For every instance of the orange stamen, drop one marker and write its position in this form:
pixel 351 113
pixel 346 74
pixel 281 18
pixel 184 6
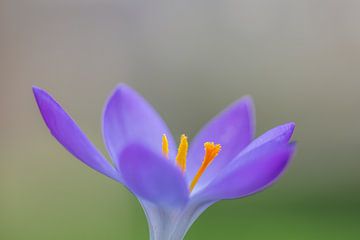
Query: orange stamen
pixel 182 152
pixel 211 151
pixel 165 146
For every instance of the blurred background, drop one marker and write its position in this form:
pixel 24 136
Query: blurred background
pixel 298 59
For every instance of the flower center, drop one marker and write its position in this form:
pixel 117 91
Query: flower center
pixel 211 151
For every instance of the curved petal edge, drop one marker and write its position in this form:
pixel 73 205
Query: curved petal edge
pixel 127 118
pixel 233 129
pixel 251 172
pixel 67 132
pixel 280 134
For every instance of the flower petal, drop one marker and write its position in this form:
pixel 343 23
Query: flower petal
pixel 233 129
pixel 66 131
pixel 127 118
pixel 280 133
pixel 152 177
pixel 251 172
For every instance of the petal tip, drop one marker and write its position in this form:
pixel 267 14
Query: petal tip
pixel 116 94
pixel 41 94
pixel 122 87
pixel 291 127
pixel 36 90
pixel 121 90
pixel 246 100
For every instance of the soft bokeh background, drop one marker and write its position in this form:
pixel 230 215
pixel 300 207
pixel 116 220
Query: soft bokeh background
pixel 298 59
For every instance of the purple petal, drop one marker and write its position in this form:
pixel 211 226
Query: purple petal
pixel 66 131
pixel 233 129
pixel 127 118
pixel 152 177
pixel 281 134
pixel 251 172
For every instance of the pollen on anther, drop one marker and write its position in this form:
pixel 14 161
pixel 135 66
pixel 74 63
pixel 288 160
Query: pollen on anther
pixel 182 153
pixel 165 146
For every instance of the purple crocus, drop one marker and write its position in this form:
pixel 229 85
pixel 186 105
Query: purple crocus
pixel 175 185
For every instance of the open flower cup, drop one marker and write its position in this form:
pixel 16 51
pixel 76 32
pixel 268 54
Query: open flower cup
pixel 175 184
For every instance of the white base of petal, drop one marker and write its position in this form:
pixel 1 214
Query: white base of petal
pixel 172 223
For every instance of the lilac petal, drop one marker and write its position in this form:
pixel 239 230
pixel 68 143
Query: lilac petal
pixel 152 177
pixel 280 134
pixel 127 118
pixel 233 129
pixel 251 172
pixel 66 131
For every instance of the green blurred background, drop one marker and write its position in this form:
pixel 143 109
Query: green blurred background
pixel 298 59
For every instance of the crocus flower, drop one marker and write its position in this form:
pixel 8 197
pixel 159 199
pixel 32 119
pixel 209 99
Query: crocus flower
pixel 175 185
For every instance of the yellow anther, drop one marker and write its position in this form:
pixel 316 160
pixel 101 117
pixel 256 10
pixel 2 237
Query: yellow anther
pixel 165 146
pixel 182 152
pixel 211 151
